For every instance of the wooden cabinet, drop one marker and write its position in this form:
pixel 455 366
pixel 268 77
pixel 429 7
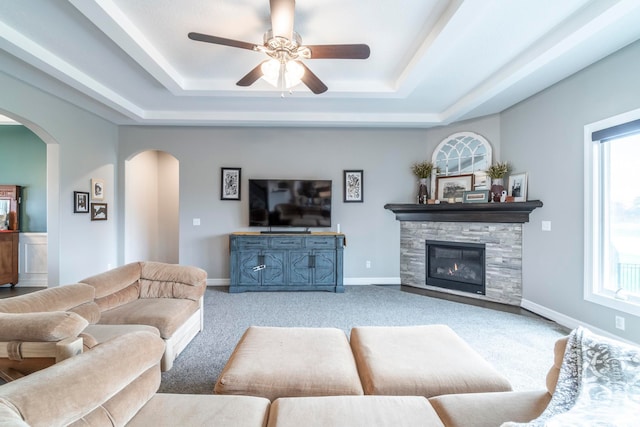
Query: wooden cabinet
pixel 9 257
pixel 282 262
pixel 10 200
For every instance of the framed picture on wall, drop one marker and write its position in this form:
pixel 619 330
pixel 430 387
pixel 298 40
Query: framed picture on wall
pixel 230 183
pixel 98 211
pixel 80 202
pixel 97 189
pixel 353 186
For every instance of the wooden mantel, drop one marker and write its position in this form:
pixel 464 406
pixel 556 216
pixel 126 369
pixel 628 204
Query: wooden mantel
pixel 516 212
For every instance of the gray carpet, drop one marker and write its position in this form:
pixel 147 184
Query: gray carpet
pixel 519 346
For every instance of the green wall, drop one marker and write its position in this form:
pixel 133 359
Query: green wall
pixel 23 161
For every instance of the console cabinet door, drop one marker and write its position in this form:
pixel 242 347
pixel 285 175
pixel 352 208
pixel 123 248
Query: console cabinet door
pixel 324 268
pixel 274 271
pixel 248 272
pixel 300 268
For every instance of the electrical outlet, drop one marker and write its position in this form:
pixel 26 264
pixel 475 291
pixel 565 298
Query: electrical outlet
pixel 368 264
pixel 546 225
pixel 620 323
pixel 196 221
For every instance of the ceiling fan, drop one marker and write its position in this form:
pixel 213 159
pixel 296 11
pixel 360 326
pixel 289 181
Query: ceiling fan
pixel 284 46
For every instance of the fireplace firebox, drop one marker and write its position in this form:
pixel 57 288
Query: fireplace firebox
pixel 456 265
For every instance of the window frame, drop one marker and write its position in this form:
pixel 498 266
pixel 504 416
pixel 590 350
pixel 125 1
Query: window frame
pixel 595 157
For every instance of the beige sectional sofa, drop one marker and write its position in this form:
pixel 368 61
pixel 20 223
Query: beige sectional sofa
pixel 50 325
pixel 168 297
pixel 87 390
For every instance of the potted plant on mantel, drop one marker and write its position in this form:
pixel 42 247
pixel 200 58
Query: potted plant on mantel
pixel 423 171
pixel 496 172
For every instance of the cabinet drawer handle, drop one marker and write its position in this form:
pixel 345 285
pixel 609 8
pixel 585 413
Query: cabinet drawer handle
pixel 312 261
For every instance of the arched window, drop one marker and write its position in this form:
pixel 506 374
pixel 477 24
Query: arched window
pixel 462 153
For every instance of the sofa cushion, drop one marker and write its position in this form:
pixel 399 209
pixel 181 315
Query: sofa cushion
pixel 48 326
pixel 423 360
pixel 73 388
pixel 489 409
pixel 202 410
pixel 59 298
pixel 277 362
pixel 112 281
pixel 118 298
pixel 353 411
pixel 161 280
pixel 165 314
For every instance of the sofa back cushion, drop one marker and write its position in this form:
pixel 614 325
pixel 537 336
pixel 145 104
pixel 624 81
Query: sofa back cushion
pixel 558 356
pixel 107 385
pixel 76 297
pixel 161 280
pixel 117 286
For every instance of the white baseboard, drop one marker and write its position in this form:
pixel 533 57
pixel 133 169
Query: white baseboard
pixel 347 281
pixel 568 322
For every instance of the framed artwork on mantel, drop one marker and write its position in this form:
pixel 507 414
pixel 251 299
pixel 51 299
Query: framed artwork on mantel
pixel 451 188
pixel 518 187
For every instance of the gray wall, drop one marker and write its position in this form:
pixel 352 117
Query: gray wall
pixel 80 146
pixel 23 161
pixel 544 137
pixel 372 232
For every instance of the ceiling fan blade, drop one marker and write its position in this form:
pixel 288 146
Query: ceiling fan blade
pixel 282 14
pixel 221 41
pixel 312 81
pixel 342 51
pixel 252 76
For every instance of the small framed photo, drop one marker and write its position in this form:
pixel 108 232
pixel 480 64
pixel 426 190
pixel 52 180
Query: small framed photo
pixel 97 189
pixel 518 187
pixel 451 188
pixel 353 186
pixel 98 211
pixel 80 202
pixel 476 196
pixel 230 183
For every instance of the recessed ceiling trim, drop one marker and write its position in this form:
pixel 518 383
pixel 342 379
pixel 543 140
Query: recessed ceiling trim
pixel 110 19
pixel 39 57
pixel 573 32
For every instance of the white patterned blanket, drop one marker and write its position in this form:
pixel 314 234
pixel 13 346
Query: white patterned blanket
pixel 599 385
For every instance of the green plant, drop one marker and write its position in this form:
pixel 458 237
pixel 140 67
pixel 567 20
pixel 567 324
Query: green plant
pixel 498 170
pixel 423 169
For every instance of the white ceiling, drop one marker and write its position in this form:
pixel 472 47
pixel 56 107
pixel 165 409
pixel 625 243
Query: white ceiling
pixel 432 62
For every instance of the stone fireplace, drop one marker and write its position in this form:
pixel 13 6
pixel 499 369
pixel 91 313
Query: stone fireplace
pixel 496 227
pixel 455 265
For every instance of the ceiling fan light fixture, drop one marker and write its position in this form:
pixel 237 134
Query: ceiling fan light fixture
pixel 282 75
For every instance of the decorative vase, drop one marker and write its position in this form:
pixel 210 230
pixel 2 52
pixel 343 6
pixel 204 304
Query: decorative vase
pixel 423 191
pixel 497 187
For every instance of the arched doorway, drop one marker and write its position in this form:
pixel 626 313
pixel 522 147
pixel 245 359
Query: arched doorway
pixel 151 207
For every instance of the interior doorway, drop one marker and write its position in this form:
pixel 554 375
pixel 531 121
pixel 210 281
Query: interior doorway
pixel 151 207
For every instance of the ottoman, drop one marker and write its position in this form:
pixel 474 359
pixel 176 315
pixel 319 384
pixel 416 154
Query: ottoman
pixel 353 411
pixel 420 361
pixel 277 362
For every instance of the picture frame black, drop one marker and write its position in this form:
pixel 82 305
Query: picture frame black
pixel 99 212
pixel 80 202
pixel 476 196
pixel 230 183
pixel 353 186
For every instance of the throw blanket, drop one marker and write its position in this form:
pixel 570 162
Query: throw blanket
pixel 599 385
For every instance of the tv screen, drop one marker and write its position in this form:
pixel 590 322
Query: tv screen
pixel 289 203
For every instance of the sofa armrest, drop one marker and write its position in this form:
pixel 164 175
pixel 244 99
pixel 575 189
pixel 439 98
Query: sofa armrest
pixel 489 409
pixel 46 326
pixel 18 359
pixel 77 297
pixel 162 280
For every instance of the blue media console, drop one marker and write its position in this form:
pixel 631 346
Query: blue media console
pixel 286 262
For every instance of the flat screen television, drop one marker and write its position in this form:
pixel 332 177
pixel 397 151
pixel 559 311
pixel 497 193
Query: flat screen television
pixel 289 203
